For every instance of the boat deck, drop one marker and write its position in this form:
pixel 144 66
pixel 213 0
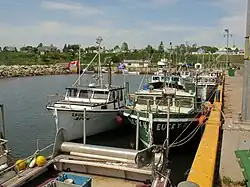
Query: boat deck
pixel 96 180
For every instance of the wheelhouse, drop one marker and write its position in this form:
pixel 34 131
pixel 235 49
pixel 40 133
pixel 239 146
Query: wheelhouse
pixel 93 95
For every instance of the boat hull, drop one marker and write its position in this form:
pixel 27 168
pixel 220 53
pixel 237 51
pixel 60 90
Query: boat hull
pixel 176 127
pixel 73 121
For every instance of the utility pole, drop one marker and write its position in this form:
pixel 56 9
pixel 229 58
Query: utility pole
pixel 246 93
pixel 227 35
pixel 99 41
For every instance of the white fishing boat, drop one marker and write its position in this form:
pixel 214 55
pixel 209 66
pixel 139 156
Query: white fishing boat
pixel 95 105
pixel 207 83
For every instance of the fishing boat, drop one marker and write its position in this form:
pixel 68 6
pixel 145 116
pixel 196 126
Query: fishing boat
pixel 207 83
pixel 159 106
pixel 95 104
pixel 5 156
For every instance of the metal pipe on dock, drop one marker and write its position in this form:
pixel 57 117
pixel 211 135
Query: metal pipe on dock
pixel 104 165
pixel 117 153
pixel 100 157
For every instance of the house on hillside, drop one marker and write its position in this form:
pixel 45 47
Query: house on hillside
pixel 136 63
pixel 44 49
pixel 9 49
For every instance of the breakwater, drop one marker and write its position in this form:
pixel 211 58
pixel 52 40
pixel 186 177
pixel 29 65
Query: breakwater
pixel 32 70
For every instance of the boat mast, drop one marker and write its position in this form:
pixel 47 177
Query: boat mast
pixel 99 41
pixel 166 142
pixel 79 65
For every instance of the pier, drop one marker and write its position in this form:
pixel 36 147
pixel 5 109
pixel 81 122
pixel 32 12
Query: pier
pixel 223 152
pixel 203 167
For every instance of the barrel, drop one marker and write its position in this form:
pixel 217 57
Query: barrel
pixel 230 72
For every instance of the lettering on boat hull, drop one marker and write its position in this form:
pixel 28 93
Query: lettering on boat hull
pixel 161 126
pixel 79 116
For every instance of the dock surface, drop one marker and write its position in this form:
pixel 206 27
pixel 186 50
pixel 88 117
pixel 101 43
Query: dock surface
pixel 233 133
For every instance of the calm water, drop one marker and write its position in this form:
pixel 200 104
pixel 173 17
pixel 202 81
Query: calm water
pixel 27 118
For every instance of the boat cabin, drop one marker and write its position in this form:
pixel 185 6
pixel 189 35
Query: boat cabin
pixel 185 74
pixel 156 99
pixel 169 79
pixel 93 95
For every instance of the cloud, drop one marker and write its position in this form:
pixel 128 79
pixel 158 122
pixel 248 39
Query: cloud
pixel 234 18
pixel 59 33
pixel 74 8
pixel 137 31
pixel 147 3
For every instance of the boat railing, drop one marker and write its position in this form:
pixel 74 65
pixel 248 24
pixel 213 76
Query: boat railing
pixel 52 99
pixel 149 107
pixel 14 166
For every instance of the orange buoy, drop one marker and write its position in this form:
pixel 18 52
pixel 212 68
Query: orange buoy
pixel 202 119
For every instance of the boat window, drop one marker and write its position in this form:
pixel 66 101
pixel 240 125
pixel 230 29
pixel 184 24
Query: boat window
pixel 71 92
pixel 184 102
pixel 163 102
pixel 121 95
pixel 156 78
pixel 85 94
pixel 100 94
pixel 175 79
pixel 112 96
pixel 142 100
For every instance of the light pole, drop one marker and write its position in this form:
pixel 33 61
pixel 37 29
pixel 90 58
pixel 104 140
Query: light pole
pixel 227 35
pixel 245 95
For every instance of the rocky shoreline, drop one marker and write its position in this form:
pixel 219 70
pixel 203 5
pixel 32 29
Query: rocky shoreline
pixel 32 70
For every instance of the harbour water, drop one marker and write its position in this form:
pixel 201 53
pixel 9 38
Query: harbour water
pixel 27 118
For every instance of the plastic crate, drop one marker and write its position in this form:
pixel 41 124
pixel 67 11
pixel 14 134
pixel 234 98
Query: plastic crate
pixel 78 181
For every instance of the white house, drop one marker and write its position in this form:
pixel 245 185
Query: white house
pixel 136 63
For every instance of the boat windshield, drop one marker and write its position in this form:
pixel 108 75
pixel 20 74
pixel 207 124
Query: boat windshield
pixel 163 102
pixel 85 93
pixel 184 102
pixel 142 100
pixel 100 95
pixel 71 92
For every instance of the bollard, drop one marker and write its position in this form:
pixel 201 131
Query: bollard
pixel 217 96
pixel 187 184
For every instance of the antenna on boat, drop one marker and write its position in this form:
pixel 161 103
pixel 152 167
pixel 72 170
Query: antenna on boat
pixel 99 40
pixel 79 65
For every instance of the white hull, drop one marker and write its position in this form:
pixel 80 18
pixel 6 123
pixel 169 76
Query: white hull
pixel 96 122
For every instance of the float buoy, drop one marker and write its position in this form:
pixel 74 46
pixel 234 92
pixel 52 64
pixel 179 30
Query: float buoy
pixel 118 120
pixel 21 165
pixel 40 161
pixel 202 119
pixel 32 163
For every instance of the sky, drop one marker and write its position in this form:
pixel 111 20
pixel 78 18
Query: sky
pixel 137 22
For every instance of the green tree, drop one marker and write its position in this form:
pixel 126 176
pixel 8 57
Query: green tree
pixel 124 47
pixel 149 49
pixel 116 48
pixel 161 47
pixel 40 45
pixel 65 48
